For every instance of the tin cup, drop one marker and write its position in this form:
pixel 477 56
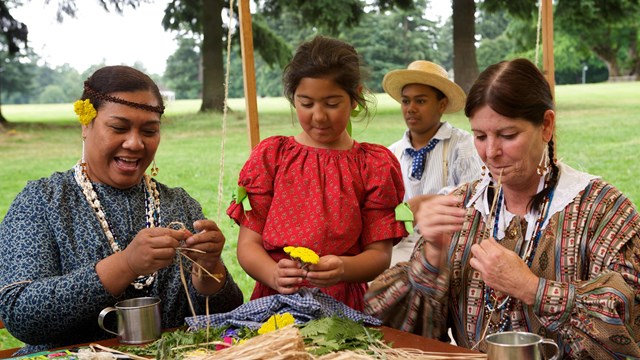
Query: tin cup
pixel 519 345
pixel 139 320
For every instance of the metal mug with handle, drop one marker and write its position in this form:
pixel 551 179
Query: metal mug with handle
pixel 519 345
pixel 139 320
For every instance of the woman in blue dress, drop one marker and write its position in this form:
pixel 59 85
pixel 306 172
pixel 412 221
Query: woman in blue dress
pixel 101 232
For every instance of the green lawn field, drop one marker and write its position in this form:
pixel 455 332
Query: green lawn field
pixel 598 132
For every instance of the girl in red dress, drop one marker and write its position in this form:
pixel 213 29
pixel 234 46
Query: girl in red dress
pixel 319 189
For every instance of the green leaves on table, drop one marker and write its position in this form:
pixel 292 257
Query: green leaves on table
pixel 334 333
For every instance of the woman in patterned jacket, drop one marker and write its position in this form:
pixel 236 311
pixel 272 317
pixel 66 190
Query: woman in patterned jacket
pixel 81 240
pixel 534 245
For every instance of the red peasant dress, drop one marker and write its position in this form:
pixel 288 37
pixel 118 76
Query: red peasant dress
pixel 331 201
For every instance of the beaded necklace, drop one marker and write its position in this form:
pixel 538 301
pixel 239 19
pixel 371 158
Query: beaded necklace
pixel 494 302
pixel 152 214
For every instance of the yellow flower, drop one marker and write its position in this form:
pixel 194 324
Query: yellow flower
pixel 304 255
pixel 276 322
pixel 85 111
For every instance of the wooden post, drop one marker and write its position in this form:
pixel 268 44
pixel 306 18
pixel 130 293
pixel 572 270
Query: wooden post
pixel 248 72
pixel 547 45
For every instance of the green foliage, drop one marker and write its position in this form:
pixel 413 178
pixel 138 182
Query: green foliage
pixel 7 341
pixel 172 345
pixel 410 35
pixel 329 334
pixel 181 73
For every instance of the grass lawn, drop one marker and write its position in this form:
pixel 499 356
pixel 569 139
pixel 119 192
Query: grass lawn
pixel 598 132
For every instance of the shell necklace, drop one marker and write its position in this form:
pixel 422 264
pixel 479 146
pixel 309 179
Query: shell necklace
pixel 152 215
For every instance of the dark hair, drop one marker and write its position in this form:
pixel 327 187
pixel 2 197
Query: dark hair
pixel 323 57
pixel 119 78
pixel 516 89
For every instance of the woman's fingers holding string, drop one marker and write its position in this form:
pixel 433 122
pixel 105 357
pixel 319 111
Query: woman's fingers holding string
pixel 440 215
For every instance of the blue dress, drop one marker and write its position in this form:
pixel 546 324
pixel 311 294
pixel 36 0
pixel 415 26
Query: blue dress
pixel 52 240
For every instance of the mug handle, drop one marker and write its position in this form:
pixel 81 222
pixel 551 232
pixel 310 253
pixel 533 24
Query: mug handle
pixel 101 317
pixel 549 342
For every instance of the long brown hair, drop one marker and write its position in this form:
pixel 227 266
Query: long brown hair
pixel 516 89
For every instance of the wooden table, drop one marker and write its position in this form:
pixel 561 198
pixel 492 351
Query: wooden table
pixel 399 339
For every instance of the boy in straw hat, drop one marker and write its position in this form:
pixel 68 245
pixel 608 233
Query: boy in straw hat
pixel 434 156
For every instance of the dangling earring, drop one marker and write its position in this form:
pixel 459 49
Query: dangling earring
pixel 484 171
pixel 154 168
pixel 83 163
pixel 544 162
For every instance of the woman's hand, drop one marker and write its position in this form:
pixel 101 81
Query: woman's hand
pixel 209 239
pixel 437 217
pixel 153 249
pixel 287 276
pixel 504 271
pixel 327 272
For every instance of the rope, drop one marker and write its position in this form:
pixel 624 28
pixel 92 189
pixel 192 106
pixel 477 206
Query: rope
pixel 224 114
pixel 538 31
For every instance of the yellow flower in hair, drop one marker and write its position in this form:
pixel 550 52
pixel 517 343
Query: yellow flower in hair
pixel 302 254
pixel 276 322
pixel 85 111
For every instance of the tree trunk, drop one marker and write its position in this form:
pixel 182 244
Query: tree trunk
pixel 4 124
pixel 212 65
pixel 609 56
pixel 465 66
pixel 634 54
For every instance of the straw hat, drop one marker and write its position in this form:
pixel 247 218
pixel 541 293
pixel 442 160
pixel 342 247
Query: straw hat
pixel 426 73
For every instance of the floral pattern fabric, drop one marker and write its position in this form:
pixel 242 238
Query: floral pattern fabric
pixel 51 240
pixel 589 267
pixel 330 201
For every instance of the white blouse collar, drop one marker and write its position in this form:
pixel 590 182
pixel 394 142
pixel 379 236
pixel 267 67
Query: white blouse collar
pixel 570 184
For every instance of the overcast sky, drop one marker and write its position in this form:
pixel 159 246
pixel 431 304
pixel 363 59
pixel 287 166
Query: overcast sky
pixel 95 35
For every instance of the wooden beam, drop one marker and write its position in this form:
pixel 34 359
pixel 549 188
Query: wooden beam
pixel 248 72
pixel 547 44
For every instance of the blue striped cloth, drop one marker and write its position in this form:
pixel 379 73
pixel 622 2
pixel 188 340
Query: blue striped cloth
pixel 305 305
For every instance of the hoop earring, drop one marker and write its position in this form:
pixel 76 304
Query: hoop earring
pixel 154 168
pixel 543 166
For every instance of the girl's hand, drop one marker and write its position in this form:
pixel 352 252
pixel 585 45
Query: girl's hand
pixel 504 271
pixel 152 249
pixel 288 276
pixel 327 272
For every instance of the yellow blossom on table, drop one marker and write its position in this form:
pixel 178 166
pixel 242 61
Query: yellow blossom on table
pixel 303 254
pixel 276 322
pixel 85 111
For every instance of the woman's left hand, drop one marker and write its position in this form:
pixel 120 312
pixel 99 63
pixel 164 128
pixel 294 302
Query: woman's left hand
pixel 208 238
pixel 327 272
pixel 504 271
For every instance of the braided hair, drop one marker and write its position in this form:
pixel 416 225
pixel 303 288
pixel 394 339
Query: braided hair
pixel 120 78
pixel 517 89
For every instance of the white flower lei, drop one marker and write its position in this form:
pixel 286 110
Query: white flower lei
pixel 152 216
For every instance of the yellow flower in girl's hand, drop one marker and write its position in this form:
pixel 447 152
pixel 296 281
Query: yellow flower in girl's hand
pixel 302 254
pixel 276 322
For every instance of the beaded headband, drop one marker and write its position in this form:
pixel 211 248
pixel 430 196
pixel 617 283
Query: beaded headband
pixel 98 95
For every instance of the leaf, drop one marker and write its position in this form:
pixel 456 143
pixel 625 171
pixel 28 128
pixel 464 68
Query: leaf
pixel 336 333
